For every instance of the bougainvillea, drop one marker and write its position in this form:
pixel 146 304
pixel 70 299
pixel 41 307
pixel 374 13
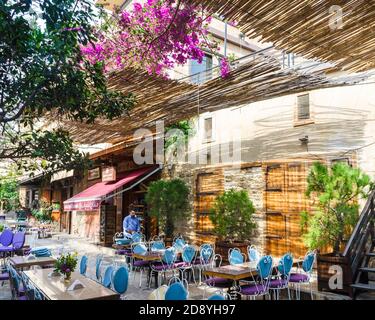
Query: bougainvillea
pixel 224 68
pixel 154 36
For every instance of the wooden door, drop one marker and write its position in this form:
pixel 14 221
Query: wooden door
pixel 276 232
pixel 284 201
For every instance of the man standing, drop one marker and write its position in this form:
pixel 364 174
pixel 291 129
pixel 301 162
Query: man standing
pixel 131 224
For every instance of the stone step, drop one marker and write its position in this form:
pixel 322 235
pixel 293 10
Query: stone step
pixel 367 269
pixel 364 286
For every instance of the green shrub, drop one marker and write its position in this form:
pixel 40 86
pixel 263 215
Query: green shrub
pixel 232 216
pixel 168 200
pixel 336 190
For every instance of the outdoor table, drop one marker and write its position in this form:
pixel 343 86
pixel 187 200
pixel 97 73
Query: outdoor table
pixel 148 256
pixel 121 246
pixel 55 288
pixel 20 262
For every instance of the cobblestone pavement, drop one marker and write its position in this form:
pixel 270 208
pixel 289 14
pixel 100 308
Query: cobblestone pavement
pixel 82 246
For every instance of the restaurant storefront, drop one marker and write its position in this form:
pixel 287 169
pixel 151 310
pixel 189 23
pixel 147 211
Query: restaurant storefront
pixel 104 194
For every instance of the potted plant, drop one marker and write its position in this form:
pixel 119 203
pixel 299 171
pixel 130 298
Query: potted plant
pixel 66 264
pixel 335 192
pixel 168 201
pixel 232 217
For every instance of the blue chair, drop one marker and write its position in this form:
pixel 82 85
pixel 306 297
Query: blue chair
pixel 206 254
pixel 253 253
pixel 121 281
pixel 303 275
pixel 98 264
pixel 259 286
pixel 281 281
pixel 157 245
pixel 235 256
pixel 188 256
pixel 179 243
pixel 83 265
pixel 107 279
pixel 166 263
pixel 139 265
pixel 176 291
pixel 137 237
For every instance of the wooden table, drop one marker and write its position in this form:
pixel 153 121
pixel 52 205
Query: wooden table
pixel 20 262
pixel 55 288
pixel 121 246
pixel 149 256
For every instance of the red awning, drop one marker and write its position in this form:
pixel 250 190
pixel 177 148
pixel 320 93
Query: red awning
pixel 91 198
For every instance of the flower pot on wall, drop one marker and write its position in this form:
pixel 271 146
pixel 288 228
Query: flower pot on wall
pixel 325 262
pixel 222 248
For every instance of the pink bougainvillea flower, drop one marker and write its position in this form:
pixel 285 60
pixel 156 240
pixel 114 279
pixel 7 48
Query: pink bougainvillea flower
pixel 154 36
pixel 224 68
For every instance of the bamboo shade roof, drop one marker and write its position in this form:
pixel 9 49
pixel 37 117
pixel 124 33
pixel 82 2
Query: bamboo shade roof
pixel 253 78
pixel 305 27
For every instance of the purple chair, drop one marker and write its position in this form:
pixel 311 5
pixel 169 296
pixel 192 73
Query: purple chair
pixel 6 238
pixel 18 240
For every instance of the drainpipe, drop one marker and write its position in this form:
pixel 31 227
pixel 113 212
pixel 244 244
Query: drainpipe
pixel 225 38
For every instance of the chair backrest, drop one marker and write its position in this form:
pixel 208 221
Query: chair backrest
pixel 83 265
pixel 206 253
pixel 285 264
pixel 169 256
pixel 18 240
pixel 139 248
pixel 6 237
pixel 188 254
pixel 308 261
pixel 235 256
pixel 121 280
pixel 107 279
pixel 99 259
pixel 176 291
pixel 157 245
pixel 137 237
pixel 179 243
pixel 264 267
pixel 253 253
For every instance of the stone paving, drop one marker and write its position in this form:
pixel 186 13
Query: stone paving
pixel 82 246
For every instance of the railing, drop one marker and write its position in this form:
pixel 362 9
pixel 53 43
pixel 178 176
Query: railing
pixel 355 249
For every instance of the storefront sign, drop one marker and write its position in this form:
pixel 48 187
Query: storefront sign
pixel 126 166
pixel 108 174
pixel 93 174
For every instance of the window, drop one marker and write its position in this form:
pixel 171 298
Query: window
pixel 303 107
pixel 303 110
pixel 208 129
pixel 201 72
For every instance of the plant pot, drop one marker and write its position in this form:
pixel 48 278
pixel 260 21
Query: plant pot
pixel 222 248
pixel 327 261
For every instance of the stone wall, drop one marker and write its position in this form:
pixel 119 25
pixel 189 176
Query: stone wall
pixel 252 180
